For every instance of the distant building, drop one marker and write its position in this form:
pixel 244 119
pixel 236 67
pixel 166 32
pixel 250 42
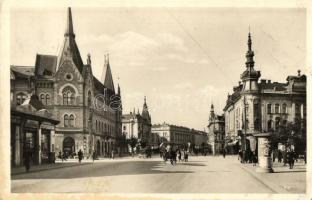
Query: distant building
pixel 89 110
pixel 216 134
pixel 138 125
pixel 179 135
pixel 262 106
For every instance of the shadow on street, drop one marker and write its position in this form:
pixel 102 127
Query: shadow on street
pixel 103 169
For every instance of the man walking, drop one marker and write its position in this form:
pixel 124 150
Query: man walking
pixel 224 152
pixel 291 159
pixel 93 156
pixel 27 161
pixel 80 154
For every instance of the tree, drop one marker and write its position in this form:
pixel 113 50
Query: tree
pixel 293 133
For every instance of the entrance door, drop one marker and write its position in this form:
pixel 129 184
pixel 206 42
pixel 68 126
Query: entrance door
pixel 98 148
pixel 30 146
pixel 69 146
pixel 45 145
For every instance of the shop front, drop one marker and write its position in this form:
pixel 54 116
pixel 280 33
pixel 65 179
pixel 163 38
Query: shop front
pixel 31 136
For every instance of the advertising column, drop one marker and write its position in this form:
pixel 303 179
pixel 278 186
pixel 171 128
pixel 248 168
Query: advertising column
pixel 264 153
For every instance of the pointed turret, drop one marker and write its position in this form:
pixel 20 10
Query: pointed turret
pixel 70 49
pixel 69 28
pixel 250 76
pixel 107 77
pixel 212 115
pixel 249 54
pixel 145 113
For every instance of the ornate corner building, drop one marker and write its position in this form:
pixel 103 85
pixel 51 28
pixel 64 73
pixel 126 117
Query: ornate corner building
pixel 138 125
pixel 216 134
pixel 89 111
pixel 263 106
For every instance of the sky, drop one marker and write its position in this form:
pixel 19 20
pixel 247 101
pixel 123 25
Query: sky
pixel 181 59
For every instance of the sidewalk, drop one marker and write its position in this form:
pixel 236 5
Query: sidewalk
pixel 43 167
pixel 283 179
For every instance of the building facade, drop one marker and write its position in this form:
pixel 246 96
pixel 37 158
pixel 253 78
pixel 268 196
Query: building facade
pixel 89 110
pixel 216 133
pixel 138 125
pixel 262 106
pixel 179 135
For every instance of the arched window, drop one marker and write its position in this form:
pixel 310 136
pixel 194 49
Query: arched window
pixel 20 98
pixel 68 95
pixel 42 98
pixel 269 125
pixel 66 120
pixel 71 120
pixel 47 99
pixel 284 108
pixel 89 98
pixel 276 108
pixel 269 109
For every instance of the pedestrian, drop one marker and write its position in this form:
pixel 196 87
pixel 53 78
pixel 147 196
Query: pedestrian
pixel 279 156
pixel 186 157
pixel 172 157
pixel 239 157
pixel 284 153
pixel 291 159
pixel 305 157
pixel 94 155
pixel 80 154
pixel 179 155
pixel 254 159
pixel 64 156
pixel 113 154
pixel 274 154
pixel 223 153
pixel 27 160
pixel 60 155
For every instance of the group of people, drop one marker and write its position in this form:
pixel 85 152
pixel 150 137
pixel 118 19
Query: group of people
pixel 174 155
pixel 248 157
pixel 288 156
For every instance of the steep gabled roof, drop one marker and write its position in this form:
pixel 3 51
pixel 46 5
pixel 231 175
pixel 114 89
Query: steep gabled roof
pixel 107 77
pixel 23 71
pixel 45 65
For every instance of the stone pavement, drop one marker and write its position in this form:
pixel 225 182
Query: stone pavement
pixel 283 179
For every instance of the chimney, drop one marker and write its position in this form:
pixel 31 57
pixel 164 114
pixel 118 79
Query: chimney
pixel 269 81
pixel 263 80
pixel 299 72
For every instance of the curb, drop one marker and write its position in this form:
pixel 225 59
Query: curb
pixel 45 169
pixel 272 186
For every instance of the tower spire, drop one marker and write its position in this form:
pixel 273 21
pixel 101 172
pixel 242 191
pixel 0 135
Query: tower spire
pixel 249 54
pixel 70 28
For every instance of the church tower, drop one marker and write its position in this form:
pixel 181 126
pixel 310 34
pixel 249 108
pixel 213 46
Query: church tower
pixel 250 76
pixel 250 99
pixel 70 49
